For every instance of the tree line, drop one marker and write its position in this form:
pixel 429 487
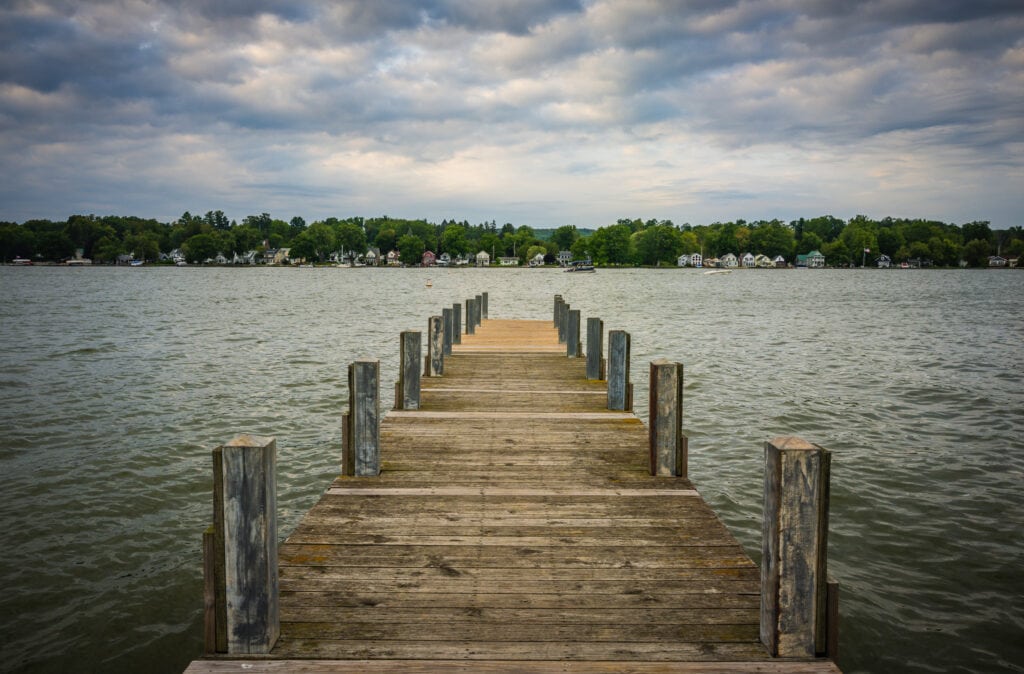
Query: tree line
pixel 627 242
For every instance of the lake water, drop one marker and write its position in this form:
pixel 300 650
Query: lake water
pixel 115 383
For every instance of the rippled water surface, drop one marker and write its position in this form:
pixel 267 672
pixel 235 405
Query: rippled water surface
pixel 116 383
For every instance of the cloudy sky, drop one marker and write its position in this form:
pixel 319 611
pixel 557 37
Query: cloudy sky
pixel 538 112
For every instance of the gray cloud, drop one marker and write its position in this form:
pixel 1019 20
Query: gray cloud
pixel 564 103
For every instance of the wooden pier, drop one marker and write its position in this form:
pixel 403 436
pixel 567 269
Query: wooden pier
pixel 514 526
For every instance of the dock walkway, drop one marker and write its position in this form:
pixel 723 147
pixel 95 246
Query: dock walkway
pixel 515 527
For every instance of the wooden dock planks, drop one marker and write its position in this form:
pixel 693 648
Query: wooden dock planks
pixel 515 527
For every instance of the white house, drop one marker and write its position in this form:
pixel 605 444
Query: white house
pixel 444 260
pixel 884 261
pixel 508 261
pixel 763 262
pixel 747 261
pixel 483 259
pixel 780 262
pixel 393 260
pixel 683 260
pixel 537 260
pixel 697 260
pixel 728 260
pixel 564 257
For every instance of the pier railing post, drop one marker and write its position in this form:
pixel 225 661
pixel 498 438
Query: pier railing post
pixel 446 316
pixel 563 322
pixel 407 391
pixel 620 390
pixel 794 586
pixel 558 310
pixel 435 347
pixel 361 441
pixel 483 306
pixel 244 546
pixel 470 316
pixel 668 444
pixel 478 308
pixel 573 347
pixel 595 348
pixel 457 323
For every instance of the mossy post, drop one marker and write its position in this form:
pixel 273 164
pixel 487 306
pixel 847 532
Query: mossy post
pixel 483 306
pixel 247 617
pixel 563 323
pixel 558 309
pixel 361 432
pixel 620 390
pixel 478 308
pixel 595 349
pixel 446 316
pixel 457 323
pixel 435 347
pixel 573 347
pixel 794 586
pixel 407 391
pixel 667 442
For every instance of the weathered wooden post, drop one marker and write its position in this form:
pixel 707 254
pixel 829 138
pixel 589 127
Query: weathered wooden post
pixel 794 593
pixel 470 316
pixel 573 347
pixel 457 323
pixel 435 347
pixel 478 307
pixel 483 306
pixel 243 545
pixel 557 314
pixel 361 425
pixel 668 444
pixel 407 390
pixel 446 317
pixel 563 322
pixel 620 389
pixel 595 348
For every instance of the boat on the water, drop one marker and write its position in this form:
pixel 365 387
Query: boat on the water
pixel 21 262
pixel 718 271
pixel 580 265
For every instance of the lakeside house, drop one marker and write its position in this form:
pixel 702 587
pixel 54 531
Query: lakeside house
pixel 508 261
pixel 429 259
pixel 564 258
pixel 883 261
pixel 996 261
pixel 444 260
pixel 392 259
pixel 779 262
pixel 483 259
pixel 728 261
pixel 537 260
pixel 683 260
pixel 812 260
pixel 747 260
pixel 763 262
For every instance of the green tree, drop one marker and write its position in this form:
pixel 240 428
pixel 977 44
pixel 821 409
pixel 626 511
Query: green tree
pixel 200 248
pixel 351 238
pixel 410 249
pixel 15 241
pixel 535 250
pixel 386 240
pixel 978 230
pixel 657 245
pixel 321 236
pixel 565 236
pixel 142 246
pixel 107 249
pixel 453 240
pixel 976 252
pixel 809 242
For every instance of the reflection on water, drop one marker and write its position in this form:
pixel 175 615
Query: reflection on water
pixel 116 383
